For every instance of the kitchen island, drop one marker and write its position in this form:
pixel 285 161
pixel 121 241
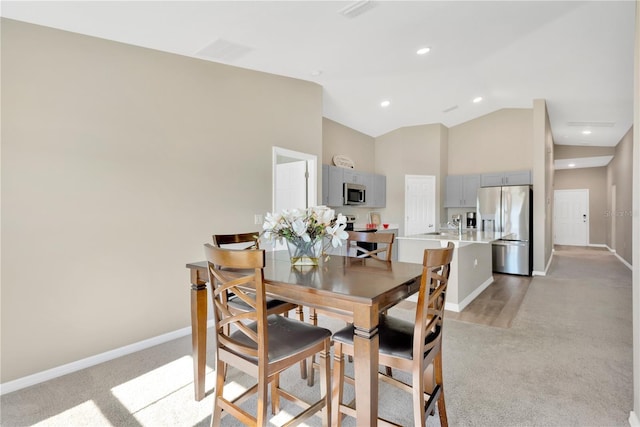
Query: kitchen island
pixel 471 267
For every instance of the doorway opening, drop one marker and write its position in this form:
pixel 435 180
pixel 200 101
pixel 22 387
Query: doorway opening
pixel 294 179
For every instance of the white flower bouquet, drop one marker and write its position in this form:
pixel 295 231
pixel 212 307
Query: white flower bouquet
pixel 305 230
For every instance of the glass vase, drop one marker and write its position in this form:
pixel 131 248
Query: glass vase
pixel 305 253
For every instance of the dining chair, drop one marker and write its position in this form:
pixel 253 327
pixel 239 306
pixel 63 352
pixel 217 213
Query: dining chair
pixel 260 344
pixel 274 306
pixel 411 347
pixel 372 245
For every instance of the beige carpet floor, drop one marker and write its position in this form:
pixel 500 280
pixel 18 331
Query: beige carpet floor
pixel 565 360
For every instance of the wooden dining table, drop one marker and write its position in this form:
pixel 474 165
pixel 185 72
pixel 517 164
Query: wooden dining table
pixel 359 288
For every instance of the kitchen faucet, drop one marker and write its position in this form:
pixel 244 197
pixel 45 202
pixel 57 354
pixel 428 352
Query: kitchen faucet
pixel 456 221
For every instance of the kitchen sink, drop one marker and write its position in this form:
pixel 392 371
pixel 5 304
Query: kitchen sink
pixel 438 233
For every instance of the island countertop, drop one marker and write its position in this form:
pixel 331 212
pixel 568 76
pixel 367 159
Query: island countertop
pixel 468 236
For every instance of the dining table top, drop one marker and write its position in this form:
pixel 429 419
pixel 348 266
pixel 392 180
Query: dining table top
pixel 358 280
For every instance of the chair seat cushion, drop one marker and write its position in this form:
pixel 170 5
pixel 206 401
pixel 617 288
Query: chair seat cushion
pixel 238 304
pixel 286 337
pixel 396 336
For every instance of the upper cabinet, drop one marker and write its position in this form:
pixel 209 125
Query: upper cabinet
pixel 506 178
pixel 377 192
pixel 325 185
pixel 461 191
pixel 334 177
pixel 334 189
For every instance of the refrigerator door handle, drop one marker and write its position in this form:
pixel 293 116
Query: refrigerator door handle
pixel 509 243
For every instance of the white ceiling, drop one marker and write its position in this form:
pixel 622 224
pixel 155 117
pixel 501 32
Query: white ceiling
pixel 576 55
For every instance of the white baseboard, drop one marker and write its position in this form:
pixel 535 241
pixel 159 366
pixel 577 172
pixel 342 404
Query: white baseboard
pixel 622 260
pixel 78 365
pixel 459 307
pixel 544 273
pixel 598 245
pixel 634 419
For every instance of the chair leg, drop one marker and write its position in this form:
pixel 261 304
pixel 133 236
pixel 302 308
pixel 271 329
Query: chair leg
pixel 417 395
pixel 325 383
pixel 442 410
pixel 263 398
pixel 303 364
pixel 217 409
pixel 337 384
pixel 313 319
pixel 275 394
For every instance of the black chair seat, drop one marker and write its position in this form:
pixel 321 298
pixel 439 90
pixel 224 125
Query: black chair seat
pixel 286 337
pixel 396 336
pixel 239 304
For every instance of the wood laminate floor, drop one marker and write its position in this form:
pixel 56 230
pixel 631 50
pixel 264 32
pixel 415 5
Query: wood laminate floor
pixel 495 306
pixel 498 304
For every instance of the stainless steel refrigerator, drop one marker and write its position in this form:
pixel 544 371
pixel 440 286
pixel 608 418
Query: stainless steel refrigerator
pixel 508 210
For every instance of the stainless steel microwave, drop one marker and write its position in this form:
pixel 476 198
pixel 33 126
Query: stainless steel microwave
pixel 354 194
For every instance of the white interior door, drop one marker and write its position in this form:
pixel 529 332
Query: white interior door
pixel 420 204
pixel 571 217
pixel 291 191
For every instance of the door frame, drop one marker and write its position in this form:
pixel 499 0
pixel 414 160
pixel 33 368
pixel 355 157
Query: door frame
pixel 312 173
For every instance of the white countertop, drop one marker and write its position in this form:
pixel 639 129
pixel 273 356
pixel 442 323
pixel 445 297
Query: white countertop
pixel 468 236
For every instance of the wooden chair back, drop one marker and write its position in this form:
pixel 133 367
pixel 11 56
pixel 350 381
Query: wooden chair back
pixel 413 355
pixel 239 272
pixel 384 243
pixel 242 340
pixel 436 266
pixel 239 240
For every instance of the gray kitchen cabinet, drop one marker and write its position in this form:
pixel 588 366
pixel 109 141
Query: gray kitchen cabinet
pixel 377 192
pixel 461 191
pixel 506 178
pixel 325 185
pixel 334 177
pixel 355 177
pixel 335 181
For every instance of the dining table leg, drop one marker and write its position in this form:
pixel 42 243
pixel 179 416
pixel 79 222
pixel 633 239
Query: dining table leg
pixel 366 345
pixel 199 332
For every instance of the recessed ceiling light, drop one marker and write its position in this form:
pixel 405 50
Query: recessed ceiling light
pixel 586 132
pixel 572 165
pixel 316 72
pixel 385 103
pixel 477 99
pixel 423 50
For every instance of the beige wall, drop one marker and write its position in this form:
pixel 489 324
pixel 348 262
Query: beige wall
pixel 340 139
pixel 577 151
pixel 492 143
pixel 542 172
pixel 415 150
pixel 118 163
pixel 594 180
pixel 619 174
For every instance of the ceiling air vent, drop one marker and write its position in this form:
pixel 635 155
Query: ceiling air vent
pixel 357 8
pixel 450 109
pixel 223 50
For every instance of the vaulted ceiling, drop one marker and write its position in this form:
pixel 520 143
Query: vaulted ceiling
pixel 576 55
